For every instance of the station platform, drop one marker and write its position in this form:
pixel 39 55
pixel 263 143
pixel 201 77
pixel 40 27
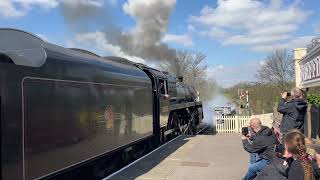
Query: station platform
pixel 198 157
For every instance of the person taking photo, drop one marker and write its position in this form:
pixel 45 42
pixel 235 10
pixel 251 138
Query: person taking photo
pixel 293 110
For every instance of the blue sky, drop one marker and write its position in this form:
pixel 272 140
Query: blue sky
pixel 236 35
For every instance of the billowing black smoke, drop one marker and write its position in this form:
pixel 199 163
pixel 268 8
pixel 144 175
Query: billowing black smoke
pixel 144 40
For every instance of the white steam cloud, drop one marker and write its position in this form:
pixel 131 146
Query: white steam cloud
pixel 208 108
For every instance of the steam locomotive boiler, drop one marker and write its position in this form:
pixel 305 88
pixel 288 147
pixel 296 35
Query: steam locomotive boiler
pixel 68 113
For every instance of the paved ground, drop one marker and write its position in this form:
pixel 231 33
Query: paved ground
pixel 218 157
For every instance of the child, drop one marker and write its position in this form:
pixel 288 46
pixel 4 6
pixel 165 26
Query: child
pixel 302 167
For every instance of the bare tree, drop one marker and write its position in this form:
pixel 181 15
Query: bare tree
pixel 313 43
pixel 180 65
pixel 278 69
pixel 191 65
pixel 188 64
pixel 197 69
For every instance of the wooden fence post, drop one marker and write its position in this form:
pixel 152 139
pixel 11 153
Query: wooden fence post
pixel 307 122
pixel 237 124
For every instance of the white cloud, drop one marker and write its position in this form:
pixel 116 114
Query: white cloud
pixel 113 2
pixel 299 42
pixel 214 69
pixel 249 14
pixel 76 3
pixel 19 8
pixel 191 28
pixel 252 40
pixel 227 76
pixel 251 22
pixel 98 41
pixel 274 30
pixel 215 32
pixel 41 3
pixel 184 39
pixel 8 9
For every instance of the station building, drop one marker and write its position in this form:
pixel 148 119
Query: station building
pixel 307 77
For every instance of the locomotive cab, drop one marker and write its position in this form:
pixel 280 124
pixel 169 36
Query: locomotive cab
pixel 163 89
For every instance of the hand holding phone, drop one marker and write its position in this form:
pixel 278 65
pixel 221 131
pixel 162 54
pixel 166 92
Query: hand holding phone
pixel 284 95
pixel 245 131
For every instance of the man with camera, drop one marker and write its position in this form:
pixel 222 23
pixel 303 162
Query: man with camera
pixel 262 142
pixel 293 110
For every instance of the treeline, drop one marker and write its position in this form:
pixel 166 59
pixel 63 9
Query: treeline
pixel 273 77
pixel 262 97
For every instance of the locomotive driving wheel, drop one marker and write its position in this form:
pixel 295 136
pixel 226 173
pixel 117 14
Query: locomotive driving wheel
pixel 191 128
pixel 175 123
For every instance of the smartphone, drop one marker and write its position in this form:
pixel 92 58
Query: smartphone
pixel 245 131
pixel 279 148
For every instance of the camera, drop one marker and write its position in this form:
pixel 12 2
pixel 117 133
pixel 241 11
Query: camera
pixel 288 94
pixel 279 148
pixel 245 131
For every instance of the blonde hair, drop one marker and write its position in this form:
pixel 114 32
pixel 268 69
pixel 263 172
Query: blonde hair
pixel 296 93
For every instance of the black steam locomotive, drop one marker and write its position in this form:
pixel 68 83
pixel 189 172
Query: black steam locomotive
pixel 68 111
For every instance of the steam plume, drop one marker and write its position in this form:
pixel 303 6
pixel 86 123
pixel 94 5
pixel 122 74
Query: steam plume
pixel 152 18
pixel 81 14
pixel 144 40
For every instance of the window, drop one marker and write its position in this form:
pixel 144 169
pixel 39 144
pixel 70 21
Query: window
pixel 163 86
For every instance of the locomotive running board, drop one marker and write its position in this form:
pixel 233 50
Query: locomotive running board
pixel 184 105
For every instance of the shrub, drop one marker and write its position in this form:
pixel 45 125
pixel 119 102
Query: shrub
pixel 313 99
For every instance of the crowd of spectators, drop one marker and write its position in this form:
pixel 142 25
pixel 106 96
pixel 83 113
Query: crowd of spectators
pixel 293 156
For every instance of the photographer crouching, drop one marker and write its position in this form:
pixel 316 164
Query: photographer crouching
pixel 262 142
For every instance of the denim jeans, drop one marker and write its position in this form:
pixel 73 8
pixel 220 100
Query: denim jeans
pixel 254 157
pixel 254 169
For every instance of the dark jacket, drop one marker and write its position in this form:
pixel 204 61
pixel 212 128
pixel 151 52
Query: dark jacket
pixel 275 170
pixel 293 114
pixel 262 143
pixel 296 171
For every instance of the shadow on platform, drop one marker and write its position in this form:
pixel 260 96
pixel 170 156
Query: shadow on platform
pixel 148 163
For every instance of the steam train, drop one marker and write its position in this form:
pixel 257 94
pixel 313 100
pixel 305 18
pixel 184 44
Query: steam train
pixel 70 114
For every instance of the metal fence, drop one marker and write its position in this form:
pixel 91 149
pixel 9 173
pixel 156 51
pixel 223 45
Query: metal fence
pixel 234 124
